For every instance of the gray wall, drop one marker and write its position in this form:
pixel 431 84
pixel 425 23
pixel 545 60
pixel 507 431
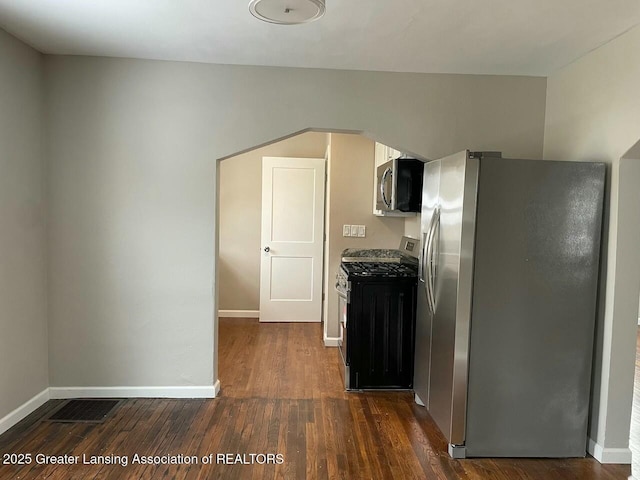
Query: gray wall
pixel 133 149
pixel 351 203
pixel 593 114
pixel 23 299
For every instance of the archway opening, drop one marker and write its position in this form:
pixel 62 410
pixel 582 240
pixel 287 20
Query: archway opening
pixel 349 198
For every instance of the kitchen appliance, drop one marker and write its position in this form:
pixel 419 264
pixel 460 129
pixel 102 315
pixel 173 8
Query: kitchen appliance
pixel 507 303
pixel 376 300
pixel 399 185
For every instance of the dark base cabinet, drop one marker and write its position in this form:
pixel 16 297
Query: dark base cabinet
pixel 381 332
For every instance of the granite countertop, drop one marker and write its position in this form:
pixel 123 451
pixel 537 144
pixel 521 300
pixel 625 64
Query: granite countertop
pixel 377 255
pixel 371 252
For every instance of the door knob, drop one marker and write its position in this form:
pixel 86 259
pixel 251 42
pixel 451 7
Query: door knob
pixel 267 249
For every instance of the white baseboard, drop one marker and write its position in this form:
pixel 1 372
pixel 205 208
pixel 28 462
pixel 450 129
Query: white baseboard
pixel 609 455
pixel 290 320
pixel 208 391
pixel 23 410
pixel 331 341
pixel 239 313
pixel 53 393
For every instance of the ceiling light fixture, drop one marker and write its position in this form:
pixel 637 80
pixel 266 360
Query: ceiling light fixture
pixel 287 12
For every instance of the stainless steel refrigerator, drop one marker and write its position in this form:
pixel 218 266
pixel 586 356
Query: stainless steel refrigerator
pixel 507 303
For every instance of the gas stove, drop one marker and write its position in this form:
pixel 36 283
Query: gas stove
pixel 382 263
pixel 377 303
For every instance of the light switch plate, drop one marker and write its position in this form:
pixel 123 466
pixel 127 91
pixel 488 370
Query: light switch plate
pixel 361 230
pixel 346 230
pixel 354 230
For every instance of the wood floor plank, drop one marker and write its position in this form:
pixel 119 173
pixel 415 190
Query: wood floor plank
pixel 282 393
pixel 107 437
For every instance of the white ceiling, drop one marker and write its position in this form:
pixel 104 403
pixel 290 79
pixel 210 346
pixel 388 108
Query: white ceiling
pixel 522 37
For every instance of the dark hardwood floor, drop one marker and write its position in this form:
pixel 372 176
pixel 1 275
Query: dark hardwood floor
pixel 282 394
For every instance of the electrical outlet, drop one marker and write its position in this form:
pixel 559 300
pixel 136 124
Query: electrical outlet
pixel 354 230
pixel 361 230
pixel 346 230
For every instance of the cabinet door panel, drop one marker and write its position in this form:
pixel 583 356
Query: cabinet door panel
pixel 385 335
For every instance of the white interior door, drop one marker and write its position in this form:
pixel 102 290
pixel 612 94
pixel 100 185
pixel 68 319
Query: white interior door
pixel 292 239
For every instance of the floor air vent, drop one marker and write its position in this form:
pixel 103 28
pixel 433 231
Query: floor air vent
pixel 84 411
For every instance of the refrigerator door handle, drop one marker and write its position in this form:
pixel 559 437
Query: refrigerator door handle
pixel 433 257
pixel 423 256
pixel 427 263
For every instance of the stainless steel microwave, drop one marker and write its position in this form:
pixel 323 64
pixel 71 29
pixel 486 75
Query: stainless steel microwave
pixel 399 185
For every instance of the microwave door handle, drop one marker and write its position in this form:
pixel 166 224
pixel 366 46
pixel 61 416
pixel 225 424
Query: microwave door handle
pixel 383 181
